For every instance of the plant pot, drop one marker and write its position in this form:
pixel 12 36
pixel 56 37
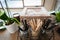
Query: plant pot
pixel 12 28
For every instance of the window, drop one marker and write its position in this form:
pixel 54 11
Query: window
pixel 13 3
pixel 32 2
pixel 3 3
pixel 20 3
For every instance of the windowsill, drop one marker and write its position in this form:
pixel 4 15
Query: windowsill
pixel 26 6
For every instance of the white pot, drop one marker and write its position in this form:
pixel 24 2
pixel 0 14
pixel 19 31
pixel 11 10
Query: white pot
pixel 12 28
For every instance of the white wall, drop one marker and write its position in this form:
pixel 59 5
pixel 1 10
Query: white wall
pixel 50 4
pixel 57 5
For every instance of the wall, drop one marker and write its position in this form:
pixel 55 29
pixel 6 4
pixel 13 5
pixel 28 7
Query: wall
pixel 57 5
pixel 50 4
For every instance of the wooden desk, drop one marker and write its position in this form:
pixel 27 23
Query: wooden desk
pixel 5 35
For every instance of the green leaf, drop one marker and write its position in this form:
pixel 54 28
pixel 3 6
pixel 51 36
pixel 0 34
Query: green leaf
pixel 3 15
pixel 15 20
pixel 58 16
pixel 1 24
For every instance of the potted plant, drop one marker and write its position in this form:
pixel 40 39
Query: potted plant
pixel 9 22
pixel 58 16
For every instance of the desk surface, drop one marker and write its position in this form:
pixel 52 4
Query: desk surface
pixel 5 35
